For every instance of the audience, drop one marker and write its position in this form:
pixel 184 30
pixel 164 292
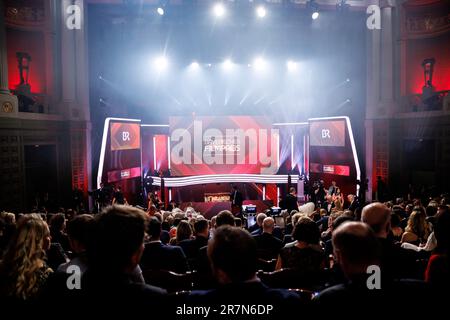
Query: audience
pixel 23 269
pixel 57 230
pixel 78 232
pixel 257 227
pixel 417 229
pixel 158 256
pixel 396 261
pixel 232 253
pixel 268 246
pixel 305 254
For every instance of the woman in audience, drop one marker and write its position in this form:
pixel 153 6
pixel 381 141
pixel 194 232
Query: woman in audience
pixel 417 229
pixel 438 270
pixel 305 254
pixel 184 232
pixel 397 231
pixel 23 270
pixel 7 227
pixel 57 230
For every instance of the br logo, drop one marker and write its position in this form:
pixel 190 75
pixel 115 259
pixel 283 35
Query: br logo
pixel 326 134
pixel 125 136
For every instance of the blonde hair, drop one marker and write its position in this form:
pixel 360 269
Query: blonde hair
pixel 25 257
pixel 418 225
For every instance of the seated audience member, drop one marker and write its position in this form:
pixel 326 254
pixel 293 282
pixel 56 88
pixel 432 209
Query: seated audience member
pixel 78 232
pixel 224 217
pixel 354 204
pixel 417 229
pixel 336 223
pixel 288 236
pixel 305 254
pixel 158 256
pixel 396 262
pixel 7 228
pixel 268 246
pixel 238 222
pixel 396 229
pixel 23 270
pixel 357 249
pixel 57 230
pixel 438 269
pixel 256 229
pixel 114 251
pixel 184 232
pixel 192 246
pixel 232 254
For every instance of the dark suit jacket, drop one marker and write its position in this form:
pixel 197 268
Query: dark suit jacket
pixel 283 301
pixel 192 246
pixel 236 198
pixel 290 203
pixel 268 247
pixel 256 232
pixel 158 256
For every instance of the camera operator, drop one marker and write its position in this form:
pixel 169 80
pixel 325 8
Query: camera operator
pixel 320 192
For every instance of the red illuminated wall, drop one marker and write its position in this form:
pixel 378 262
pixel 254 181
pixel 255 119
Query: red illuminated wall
pixel 33 44
pixel 420 49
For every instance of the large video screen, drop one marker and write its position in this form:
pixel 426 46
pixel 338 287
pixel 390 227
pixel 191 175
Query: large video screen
pixel 223 145
pixel 329 133
pixel 125 136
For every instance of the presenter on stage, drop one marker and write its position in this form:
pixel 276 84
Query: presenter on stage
pixel 290 201
pixel 236 199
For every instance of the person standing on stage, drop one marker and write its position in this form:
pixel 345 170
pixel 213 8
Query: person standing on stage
pixel 119 197
pixel 236 201
pixel 290 201
pixel 332 190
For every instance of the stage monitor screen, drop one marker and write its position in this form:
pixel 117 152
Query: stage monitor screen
pixel 125 136
pixel 327 133
pixel 223 145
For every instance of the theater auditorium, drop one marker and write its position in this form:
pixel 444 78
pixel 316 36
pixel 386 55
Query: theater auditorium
pixel 224 159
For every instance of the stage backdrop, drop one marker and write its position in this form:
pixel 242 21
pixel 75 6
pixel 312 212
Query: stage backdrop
pixel 223 145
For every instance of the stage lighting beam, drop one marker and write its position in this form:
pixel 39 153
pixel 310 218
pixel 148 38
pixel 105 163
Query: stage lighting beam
pixel 160 11
pixel 219 10
pixel 161 63
pixel 261 12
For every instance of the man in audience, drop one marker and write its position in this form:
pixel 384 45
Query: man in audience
pixel 114 251
pixel 357 251
pixel 396 262
pixel 78 232
pixel 259 221
pixel 192 246
pixel 232 254
pixel 224 217
pixel 268 247
pixel 157 256
pixel 354 204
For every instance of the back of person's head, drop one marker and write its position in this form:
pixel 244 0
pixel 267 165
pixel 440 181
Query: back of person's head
pixel 306 230
pixel 57 222
pixel 442 232
pixel 224 217
pixel 268 225
pixel 184 231
pixel 296 217
pixel 292 190
pixel 24 256
pixel 117 239
pixel 78 231
pixel 395 220
pixel 340 220
pixel 356 247
pixel 378 217
pixel 260 218
pixel 431 210
pixel 154 228
pixel 417 223
pixel 232 253
pixel 201 226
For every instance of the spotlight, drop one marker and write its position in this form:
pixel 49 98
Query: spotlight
pixel 347 80
pixel 348 100
pixel 161 63
pixel 227 64
pixel 100 77
pixel 219 10
pixel 313 8
pixel 259 64
pixel 195 65
pixel 292 66
pixel 261 12
pixel 160 11
pixel 209 65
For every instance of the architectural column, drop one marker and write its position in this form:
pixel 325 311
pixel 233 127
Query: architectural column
pixel 8 102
